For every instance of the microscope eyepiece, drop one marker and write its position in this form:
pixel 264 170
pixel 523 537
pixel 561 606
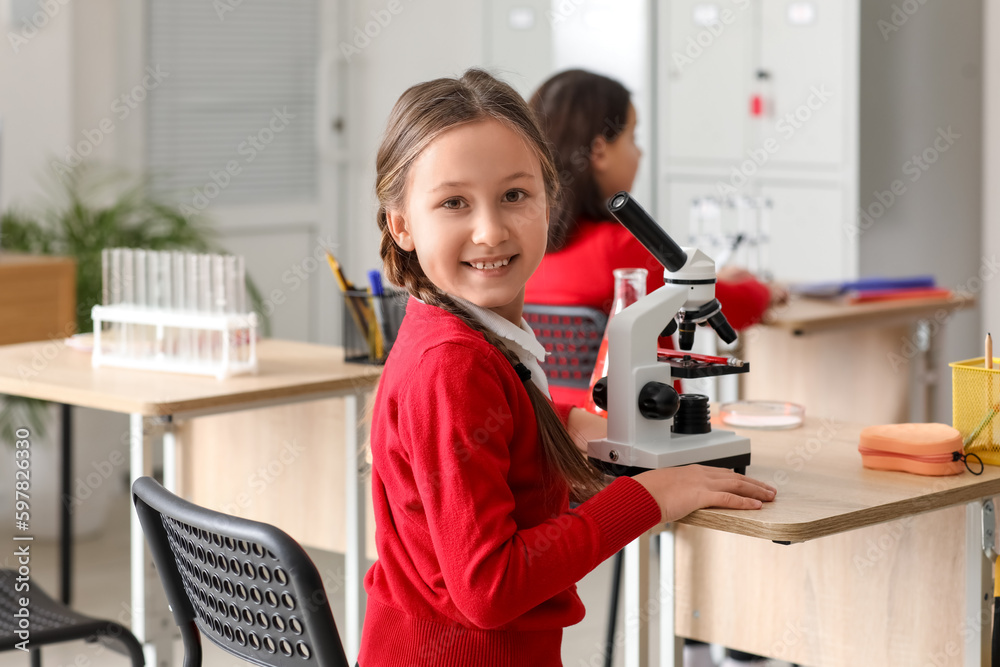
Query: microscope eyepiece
pixel 642 226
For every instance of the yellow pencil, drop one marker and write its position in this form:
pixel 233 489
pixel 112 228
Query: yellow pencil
pixel 361 312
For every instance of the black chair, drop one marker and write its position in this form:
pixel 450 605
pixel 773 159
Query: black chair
pixel 247 586
pixel 51 622
pixel 571 336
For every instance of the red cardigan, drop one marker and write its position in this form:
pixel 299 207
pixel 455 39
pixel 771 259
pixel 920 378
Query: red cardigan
pixel 478 551
pixel 580 275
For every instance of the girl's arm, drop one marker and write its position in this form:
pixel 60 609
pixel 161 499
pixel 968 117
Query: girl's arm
pixel 585 426
pixel 459 425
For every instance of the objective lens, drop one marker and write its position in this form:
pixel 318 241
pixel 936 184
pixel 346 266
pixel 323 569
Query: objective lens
pixel 686 338
pixel 618 201
pixel 722 327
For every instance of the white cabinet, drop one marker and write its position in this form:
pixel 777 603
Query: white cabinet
pixel 851 95
pixel 706 54
pixel 759 97
pixel 808 238
pixel 802 52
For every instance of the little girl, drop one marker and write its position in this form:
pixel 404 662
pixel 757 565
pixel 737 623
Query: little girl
pixel 473 467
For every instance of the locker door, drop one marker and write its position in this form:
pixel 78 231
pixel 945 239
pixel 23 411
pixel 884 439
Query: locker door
pixel 706 63
pixel 809 241
pixel 803 51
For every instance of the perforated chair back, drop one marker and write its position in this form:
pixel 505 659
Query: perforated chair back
pixel 245 585
pixel 571 336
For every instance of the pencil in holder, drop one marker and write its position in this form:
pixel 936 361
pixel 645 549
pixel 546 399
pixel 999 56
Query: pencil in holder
pixel 371 324
pixel 975 403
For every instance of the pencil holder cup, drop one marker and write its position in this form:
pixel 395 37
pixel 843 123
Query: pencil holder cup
pixel 975 402
pixel 371 324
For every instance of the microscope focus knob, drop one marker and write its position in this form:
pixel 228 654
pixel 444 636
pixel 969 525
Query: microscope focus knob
pixel 658 401
pixel 601 393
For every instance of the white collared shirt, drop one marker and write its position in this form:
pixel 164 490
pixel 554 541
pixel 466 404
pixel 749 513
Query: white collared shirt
pixel 521 340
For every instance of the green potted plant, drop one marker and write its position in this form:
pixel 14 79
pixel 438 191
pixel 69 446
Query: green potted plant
pixel 84 214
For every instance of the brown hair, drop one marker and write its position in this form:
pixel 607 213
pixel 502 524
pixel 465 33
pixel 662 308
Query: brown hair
pixel 574 108
pixel 421 114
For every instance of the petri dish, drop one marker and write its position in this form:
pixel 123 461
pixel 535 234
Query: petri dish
pixel 764 415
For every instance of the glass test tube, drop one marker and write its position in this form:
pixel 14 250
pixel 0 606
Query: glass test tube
pixel 205 306
pixel 165 282
pixel 105 284
pixel 694 223
pixel 191 303
pixel 241 285
pixel 234 337
pixel 115 292
pixel 177 303
pixel 219 299
pixel 143 287
pixel 105 278
pixel 128 298
pixel 764 235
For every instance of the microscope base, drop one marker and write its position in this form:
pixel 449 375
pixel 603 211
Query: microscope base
pixel 735 463
pixel 718 448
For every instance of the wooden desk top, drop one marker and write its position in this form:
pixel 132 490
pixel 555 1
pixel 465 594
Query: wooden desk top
pixel 10 259
pixel 824 490
pixel 51 371
pixel 804 315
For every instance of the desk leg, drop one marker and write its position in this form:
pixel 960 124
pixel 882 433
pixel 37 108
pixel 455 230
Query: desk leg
pixel 671 646
pixel 978 586
pixel 354 598
pixel 151 620
pixel 169 455
pixel 637 602
pixel 65 514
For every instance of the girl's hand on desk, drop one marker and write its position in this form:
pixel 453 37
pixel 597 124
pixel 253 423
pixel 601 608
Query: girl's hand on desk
pixel 680 491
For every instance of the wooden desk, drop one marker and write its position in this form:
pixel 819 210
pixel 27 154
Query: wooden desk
pixel 288 373
pixel 853 362
pixel 900 597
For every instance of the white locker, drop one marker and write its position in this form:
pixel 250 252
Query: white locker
pixel 707 54
pixel 808 241
pixel 802 54
pixel 766 109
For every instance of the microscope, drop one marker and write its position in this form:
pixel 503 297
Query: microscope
pixel 649 424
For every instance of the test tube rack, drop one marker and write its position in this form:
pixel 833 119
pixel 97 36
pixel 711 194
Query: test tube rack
pixel 174 311
pixel 176 341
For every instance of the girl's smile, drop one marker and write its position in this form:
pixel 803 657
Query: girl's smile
pixel 475 212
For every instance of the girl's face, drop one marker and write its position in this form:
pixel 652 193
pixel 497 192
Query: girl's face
pixel 476 214
pixel 615 163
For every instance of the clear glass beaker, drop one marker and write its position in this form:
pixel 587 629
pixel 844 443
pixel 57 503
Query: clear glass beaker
pixel 630 286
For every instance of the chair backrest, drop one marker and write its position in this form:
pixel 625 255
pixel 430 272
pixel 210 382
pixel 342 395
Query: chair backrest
pixel 246 585
pixel 572 337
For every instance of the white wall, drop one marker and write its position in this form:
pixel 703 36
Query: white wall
pixel 429 39
pixel 916 82
pixel 991 161
pixel 36 99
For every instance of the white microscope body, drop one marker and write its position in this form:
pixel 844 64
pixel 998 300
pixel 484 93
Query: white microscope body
pixel 640 400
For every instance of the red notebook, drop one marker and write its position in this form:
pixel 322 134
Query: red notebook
pixel 869 296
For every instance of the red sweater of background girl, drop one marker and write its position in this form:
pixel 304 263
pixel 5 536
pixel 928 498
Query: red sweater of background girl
pixel 580 275
pixel 478 551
